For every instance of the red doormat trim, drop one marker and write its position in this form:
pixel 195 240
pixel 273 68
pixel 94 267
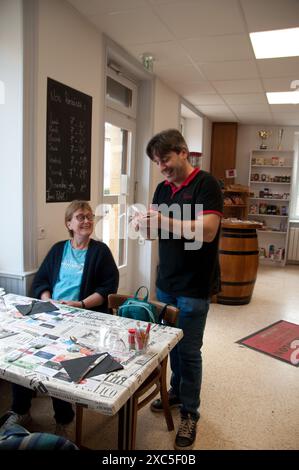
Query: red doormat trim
pixel 279 340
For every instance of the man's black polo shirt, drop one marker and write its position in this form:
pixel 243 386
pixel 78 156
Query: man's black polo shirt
pixel 181 271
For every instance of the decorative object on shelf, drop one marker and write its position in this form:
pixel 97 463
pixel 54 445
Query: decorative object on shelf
pixel 227 201
pixel 262 252
pixel 259 161
pixel 253 209
pixel 264 136
pixel 195 159
pixel 280 135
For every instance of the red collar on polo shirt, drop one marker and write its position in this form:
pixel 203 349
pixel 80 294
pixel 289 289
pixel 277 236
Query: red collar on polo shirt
pixel 175 189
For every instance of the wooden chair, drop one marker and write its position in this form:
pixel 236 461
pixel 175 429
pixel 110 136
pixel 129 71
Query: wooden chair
pixel 156 379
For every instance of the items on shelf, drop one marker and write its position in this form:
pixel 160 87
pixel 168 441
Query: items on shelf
pixel 270 178
pixel 267 194
pixel 195 159
pixel 272 253
pixel 264 161
pixel 235 200
pixel 267 209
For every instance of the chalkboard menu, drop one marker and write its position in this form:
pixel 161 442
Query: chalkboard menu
pixel 68 154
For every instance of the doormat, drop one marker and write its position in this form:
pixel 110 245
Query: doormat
pixel 279 340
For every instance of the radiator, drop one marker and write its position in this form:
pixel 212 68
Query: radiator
pixel 293 247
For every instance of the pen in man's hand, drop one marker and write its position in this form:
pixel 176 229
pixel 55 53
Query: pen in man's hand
pixel 92 366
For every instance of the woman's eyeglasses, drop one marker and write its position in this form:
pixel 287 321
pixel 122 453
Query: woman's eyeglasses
pixel 82 217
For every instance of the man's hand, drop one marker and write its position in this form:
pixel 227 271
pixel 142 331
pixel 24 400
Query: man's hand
pixel 148 224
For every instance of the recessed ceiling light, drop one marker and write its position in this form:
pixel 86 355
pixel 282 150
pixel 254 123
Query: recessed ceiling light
pixel 278 43
pixel 284 97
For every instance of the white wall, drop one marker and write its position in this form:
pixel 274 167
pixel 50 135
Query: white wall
pixel 70 51
pixel 193 133
pixel 206 151
pixel 166 115
pixel 11 136
pixel 249 140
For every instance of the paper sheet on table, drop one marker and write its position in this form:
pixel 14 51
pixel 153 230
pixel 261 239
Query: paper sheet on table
pixel 36 307
pixel 76 367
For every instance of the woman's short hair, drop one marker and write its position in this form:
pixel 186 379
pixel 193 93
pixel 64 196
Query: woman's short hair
pixel 170 140
pixel 71 209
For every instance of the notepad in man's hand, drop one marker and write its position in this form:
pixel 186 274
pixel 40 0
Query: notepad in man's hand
pixel 77 367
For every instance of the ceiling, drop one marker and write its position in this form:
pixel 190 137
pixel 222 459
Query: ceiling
pixel 202 51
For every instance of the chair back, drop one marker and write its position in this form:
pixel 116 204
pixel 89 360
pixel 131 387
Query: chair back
pixel 170 315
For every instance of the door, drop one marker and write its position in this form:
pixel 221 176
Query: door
pixel 118 190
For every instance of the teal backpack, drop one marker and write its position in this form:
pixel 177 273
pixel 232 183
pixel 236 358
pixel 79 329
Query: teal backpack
pixel 141 309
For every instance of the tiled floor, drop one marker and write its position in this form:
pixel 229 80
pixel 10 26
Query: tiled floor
pixel 249 400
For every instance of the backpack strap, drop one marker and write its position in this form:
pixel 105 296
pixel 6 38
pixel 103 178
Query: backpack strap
pixel 146 295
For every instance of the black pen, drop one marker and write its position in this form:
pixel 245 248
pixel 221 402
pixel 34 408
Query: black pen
pixel 92 366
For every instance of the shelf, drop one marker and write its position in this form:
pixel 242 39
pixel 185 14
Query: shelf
pixel 272 261
pixel 270 215
pixel 268 182
pixel 269 199
pixel 271 166
pixel 238 196
pixel 276 166
pixel 272 151
pixel 272 231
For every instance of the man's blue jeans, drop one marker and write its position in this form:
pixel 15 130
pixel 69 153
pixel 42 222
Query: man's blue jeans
pixel 185 358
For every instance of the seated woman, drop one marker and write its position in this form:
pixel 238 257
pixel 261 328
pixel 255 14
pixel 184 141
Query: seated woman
pixel 79 272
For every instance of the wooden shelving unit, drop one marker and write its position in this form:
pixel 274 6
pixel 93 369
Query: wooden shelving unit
pixel 233 207
pixel 270 177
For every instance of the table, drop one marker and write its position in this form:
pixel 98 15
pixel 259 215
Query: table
pixel 41 369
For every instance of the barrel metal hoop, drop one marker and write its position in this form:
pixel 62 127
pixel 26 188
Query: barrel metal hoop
pixel 238 230
pixel 233 300
pixel 245 283
pixel 226 252
pixel 233 235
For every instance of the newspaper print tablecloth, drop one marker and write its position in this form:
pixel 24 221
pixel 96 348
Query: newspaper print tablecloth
pixel 40 369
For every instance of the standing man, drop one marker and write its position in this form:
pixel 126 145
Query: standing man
pixel 190 205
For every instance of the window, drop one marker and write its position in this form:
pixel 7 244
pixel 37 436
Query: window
pixel 117 159
pixel 121 93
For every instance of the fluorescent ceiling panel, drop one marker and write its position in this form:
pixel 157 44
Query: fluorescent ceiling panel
pixel 278 43
pixel 284 97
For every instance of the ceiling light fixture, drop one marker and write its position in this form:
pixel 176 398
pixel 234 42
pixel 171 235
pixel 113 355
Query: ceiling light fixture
pixel 277 43
pixel 148 61
pixel 284 97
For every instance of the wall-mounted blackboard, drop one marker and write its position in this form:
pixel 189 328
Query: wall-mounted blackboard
pixel 68 154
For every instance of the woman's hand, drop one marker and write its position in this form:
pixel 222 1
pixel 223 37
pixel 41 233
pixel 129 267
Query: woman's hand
pixel 71 303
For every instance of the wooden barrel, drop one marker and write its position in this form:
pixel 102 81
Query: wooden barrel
pixel 239 258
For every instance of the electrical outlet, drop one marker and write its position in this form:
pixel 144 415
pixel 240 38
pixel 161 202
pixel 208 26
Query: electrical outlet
pixel 41 233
